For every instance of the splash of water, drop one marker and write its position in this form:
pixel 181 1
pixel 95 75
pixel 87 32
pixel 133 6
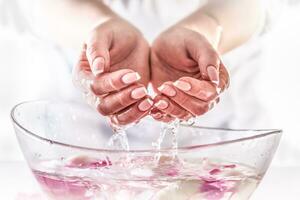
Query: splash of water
pixel 170 129
pixel 118 140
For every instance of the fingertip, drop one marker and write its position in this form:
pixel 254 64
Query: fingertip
pixel 130 77
pixel 138 93
pixel 145 105
pixel 161 104
pixel 98 66
pixel 167 90
pixel 183 85
pixel 213 74
pixel 157 115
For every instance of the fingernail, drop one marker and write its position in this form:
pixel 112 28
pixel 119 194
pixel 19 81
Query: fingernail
pixel 182 85
pixel 167 90
pixel 213 74
pixel 98 66
pixel 162 104
pixel 138 93
pixel 131 77
pixel 145 105
pixel 157 115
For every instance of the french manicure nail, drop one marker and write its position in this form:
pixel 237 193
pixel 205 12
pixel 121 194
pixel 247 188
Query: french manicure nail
pixel 167 90
pixel 183 85
pixel 162 104
pixel 145 105
pixel 138 93
pixel 98 66
pixel 213 74
pixel 131 77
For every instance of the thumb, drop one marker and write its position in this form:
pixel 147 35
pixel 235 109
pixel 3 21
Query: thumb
pixel 97 52
pixel 206 56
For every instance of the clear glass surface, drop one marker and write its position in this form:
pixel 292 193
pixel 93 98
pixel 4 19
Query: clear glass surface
pixel 65 145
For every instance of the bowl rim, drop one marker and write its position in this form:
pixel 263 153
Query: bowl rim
pixel 265 132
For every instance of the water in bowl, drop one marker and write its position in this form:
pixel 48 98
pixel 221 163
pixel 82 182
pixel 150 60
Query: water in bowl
pixel 142 178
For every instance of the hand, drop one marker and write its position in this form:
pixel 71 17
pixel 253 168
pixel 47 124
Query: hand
pixel 190 73
pixel 113 71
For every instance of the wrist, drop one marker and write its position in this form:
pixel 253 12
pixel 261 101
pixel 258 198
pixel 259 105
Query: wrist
pixel 205 25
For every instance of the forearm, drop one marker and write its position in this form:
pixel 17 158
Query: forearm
pixel 68 22
pixel 226 23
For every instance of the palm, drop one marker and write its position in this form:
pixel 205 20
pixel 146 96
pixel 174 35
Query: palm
pixel 131 55
pixel 127 47
pixel 170 60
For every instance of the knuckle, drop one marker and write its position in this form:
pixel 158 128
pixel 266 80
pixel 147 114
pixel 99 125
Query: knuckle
pixel 122 99
pixel 113 83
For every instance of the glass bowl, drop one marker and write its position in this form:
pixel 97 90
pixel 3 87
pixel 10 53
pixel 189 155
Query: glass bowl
pixel 66 147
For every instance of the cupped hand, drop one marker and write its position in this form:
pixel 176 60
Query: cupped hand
pixel 187 73
pixel 113 71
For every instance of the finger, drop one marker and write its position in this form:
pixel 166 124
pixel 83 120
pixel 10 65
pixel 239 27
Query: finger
pixel 166 118
pixel 115 102
pixel 134 113
pixel 160 116
pixel 97 53
pixel 114 81
pixel 189 116
pixel 224 78
pixel 156 114
pixel 195 106
pixel 203 90
pixel 169 107
pixel 81 75
pixel 207 57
